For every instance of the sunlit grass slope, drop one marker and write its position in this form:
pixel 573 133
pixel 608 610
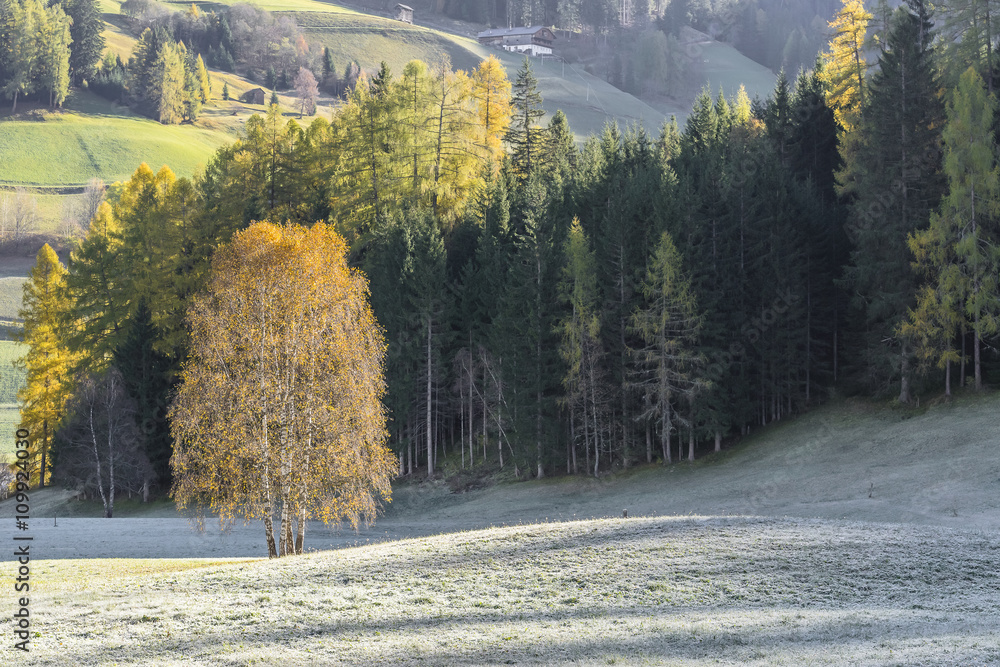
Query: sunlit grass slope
pixel 95 139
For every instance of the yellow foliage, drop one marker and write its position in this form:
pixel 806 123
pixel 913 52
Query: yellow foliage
pixel 48 360
pixel 279 411
pixel 846 67
pixel 492 92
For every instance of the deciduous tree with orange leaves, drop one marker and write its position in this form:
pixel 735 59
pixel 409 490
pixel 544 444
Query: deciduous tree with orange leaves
pixel 279 413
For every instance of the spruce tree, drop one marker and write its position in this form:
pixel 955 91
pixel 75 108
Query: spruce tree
pixel 526 139
pixel 896 172
pixel 145 374
pixel 87 33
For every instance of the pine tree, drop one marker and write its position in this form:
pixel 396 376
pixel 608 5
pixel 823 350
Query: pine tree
pixel 48 362
pixel 523 334
pixel 144 373
pixel 54 54
pixel 24 50
pixel 896 172
pixel 87 33
pixel 98 290
pixel 526 139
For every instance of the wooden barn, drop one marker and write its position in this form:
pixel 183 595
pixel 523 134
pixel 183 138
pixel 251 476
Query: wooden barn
pixel 255 96
pixel 404 14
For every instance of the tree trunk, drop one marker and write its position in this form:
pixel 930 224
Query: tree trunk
pixel 300 538
pixel 430 441
pixel 665 433
pixel 718 441
pixel 45 443
pixel 976 357
pixel 947 378
pixel 904 382
pixel 649 444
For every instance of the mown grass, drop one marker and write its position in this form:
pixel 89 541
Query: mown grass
pixel 93 139
pixel 613 591
pixel 10 418
pixel 11 293
pixel 11 380
pixel 725 68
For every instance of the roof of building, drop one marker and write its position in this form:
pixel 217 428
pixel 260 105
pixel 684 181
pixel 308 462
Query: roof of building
pixel 409 9
pixel 508 32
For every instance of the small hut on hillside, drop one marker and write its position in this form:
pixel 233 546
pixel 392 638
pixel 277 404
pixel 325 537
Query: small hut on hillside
pixel 255 96
pixel 404 14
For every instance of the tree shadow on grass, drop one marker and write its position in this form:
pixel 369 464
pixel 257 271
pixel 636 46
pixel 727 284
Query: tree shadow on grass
pixel 639 634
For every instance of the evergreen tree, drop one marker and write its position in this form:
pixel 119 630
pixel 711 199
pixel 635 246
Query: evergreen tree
pixel 526 139
pixel 896 172
pixel 87 33
pixel 144 372
pixel 96 284
pixel 54 55
pixel 523 335
pixel 24 49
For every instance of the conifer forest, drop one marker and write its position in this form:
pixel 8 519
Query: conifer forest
pixel 551 304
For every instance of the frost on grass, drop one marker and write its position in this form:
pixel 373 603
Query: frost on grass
pixel 636 591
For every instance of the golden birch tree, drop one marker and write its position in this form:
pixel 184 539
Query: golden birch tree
pixel 279 413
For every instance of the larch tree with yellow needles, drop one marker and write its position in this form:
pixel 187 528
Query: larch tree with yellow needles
pixel 48 361
pixel 279 413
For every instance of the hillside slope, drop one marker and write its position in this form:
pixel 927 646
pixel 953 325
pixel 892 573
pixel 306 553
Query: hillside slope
pixel 939 465
pixel 936 466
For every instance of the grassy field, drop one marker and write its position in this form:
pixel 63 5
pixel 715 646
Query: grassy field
pixel 11 292
pixel 10 417
pixel 685 591
pixel 11 380
pixel 94 139
pixel 857 534
pixel 725 68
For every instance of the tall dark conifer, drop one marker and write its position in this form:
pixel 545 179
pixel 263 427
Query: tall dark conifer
pixel 145 371
pixel 897 172
pixel 526 139
pixel 87 32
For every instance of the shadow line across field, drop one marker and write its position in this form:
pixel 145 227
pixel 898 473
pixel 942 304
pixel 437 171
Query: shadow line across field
pixel 629 632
